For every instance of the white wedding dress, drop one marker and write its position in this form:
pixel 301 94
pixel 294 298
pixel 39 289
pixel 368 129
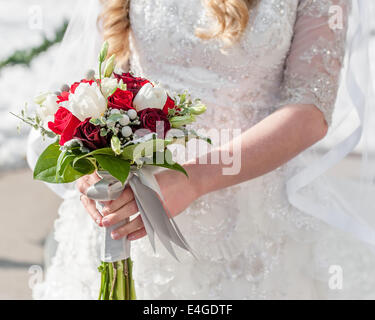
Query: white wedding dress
pixel 252 244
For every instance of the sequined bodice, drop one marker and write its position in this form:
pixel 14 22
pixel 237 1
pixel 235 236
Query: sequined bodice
pixel 245 75
pixel 254 75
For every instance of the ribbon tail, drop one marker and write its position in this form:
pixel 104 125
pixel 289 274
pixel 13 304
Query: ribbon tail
pixel 180 235
pixel 148 226
pixel 155 212
pixel 147 177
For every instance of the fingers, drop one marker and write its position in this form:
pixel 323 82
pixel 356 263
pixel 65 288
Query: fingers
pixel 137 234
pixel 112 206
pixel 90 207
pixel 87 181
pixel 132 226
pixel 124 212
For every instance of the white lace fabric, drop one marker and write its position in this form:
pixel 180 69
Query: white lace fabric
pixel 252 243
pixel 316 56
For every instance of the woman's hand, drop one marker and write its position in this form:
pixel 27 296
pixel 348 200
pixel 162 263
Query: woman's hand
pixel 178 191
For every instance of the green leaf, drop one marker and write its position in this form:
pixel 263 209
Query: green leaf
pixel 144 149
pixel 95 122
pixel 84 166
pixel 45 169
pixel 166 162
pixel 105 151
pixel 116 166
pixel 198 109
pixel 182 98
pixel 103 132
pixel 115 117
pixel 64 159
pixel 70 174
pixel 179 121
pixel 116 145
pixel 176 167
pixel 66 172
pixel 128 152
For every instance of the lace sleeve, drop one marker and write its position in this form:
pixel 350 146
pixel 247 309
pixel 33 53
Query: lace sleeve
pixel 316 56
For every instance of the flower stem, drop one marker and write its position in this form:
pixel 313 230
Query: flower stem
pixel 120 286
pixel 102 282
pixel 105 294
pixel 117 281
pixel 113 276
pixel 131 280
pixel 126 275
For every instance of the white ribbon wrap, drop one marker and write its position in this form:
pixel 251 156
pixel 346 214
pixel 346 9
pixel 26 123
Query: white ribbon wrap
pixel 155 216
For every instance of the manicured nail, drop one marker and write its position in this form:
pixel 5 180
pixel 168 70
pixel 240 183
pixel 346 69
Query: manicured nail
pixel 114 235
pixel 130 238
pixel 98 221
pixel 105 222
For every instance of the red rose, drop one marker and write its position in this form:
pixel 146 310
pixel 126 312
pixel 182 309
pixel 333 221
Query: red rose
pixel 133 84
pixel 121 99
pixel 65 95
pixel 89 134
pixel 169 104
pixel 64 124
pixel 150 117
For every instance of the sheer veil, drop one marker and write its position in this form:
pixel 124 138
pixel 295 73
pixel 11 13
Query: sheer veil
pixel 77 54
pixel 348 206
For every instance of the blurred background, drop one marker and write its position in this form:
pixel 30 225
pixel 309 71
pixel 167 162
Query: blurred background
pixel 30 32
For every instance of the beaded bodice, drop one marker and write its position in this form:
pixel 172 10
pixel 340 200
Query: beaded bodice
pixel 254 75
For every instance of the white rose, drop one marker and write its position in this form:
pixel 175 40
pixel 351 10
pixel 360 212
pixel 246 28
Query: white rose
pixel 150 97
pixel 109 85
pixel 87 102
pixel 48 108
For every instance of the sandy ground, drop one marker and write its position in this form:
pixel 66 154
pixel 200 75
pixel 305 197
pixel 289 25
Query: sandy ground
pixel 28 210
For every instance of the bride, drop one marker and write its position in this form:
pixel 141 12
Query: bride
pixel 270 68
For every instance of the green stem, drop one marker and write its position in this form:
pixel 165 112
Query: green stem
pixel 117 281
pixel 112 280
pixel 120 287
pixel 126 275
pixel 102 281
pixel 105 287
pixel 131 280
pixel 100 76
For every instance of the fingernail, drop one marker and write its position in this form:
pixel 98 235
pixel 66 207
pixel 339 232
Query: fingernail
pixel 98 221
pixel 131 238
pixel 105 222
pixel 114 235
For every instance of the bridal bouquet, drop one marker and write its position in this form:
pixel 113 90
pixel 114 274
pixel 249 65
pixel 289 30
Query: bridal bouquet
pixel 118 125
